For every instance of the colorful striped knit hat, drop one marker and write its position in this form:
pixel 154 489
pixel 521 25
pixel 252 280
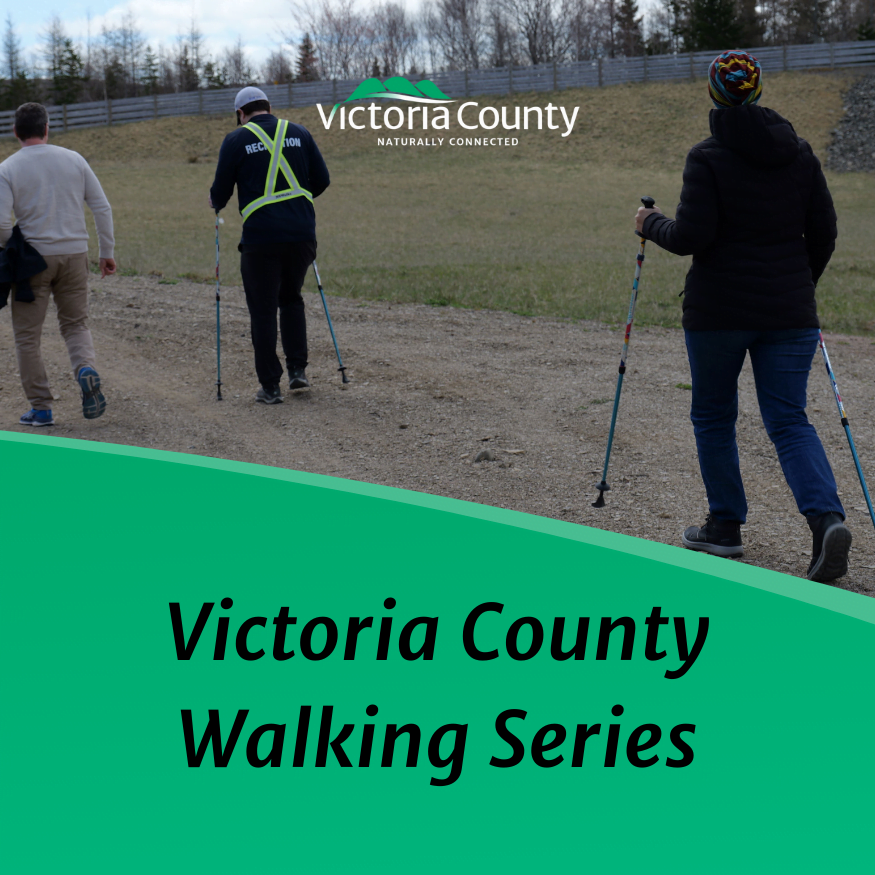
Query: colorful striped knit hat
pixel 735 79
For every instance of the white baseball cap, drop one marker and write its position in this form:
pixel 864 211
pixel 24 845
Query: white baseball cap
pixel 248 95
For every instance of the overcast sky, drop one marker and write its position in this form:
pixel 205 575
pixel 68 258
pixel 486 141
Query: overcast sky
pixel 258 22
pixel 221 21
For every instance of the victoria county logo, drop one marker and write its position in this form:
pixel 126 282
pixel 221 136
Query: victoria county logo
pixel 429 110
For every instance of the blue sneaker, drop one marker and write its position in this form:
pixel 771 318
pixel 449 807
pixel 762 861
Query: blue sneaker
pixel 93 402
pixel 37 418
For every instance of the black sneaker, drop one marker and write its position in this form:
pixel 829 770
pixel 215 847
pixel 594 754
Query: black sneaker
pixel 718 537
pixel 269 395
pixel 298 379
pixel 830 548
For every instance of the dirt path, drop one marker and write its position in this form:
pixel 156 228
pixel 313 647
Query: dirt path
pixel 431 388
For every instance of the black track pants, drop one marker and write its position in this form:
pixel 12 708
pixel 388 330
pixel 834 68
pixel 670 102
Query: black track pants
pixel 272 279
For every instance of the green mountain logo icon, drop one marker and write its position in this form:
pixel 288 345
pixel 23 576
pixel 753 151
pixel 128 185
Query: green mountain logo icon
pixel 396 88
pixel 399 88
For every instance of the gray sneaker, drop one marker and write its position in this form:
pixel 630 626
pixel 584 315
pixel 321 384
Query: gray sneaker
pixel 717 537
pixel 298 379
pixel 269 395
pixel 93 402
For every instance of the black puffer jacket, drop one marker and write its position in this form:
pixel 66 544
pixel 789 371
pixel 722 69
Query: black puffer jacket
pixel 758 219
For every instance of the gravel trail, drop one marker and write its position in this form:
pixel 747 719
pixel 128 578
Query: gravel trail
pixel 432 387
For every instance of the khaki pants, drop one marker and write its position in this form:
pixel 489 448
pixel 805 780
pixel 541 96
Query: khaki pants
pixel 65 278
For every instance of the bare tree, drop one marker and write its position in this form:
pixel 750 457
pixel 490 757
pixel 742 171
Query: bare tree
pixel 427 25
pixel 541 29
pixel 502 36
pixel 130 44
pixel 190 58
pixel 458 30
pixel 237 69
pixel 394 38
pixel 53 39
pixel 585 28
pixel 278 67
pixel 341 36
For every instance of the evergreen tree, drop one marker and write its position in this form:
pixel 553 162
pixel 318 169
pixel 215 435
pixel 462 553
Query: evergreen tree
pixel 711 25
pixel 187 75
pixel 68 75
pixel 630 40
pixel 215 75
pixel 150 72
pixel 865 30
pixel 11 51
pixel 21 89
pixel 114 78
pixel 16 87
pixel 307 67
pixel 751 25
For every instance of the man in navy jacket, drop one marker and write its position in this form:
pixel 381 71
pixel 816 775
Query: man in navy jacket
pixel 278 171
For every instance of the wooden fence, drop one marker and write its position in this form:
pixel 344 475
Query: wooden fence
pixel 458 84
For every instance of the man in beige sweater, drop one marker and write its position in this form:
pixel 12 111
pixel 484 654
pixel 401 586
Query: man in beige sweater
pixel 45 187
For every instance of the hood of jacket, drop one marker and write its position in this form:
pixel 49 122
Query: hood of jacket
pixel 760 135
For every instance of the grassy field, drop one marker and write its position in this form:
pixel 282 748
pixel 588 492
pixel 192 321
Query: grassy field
pixel 543 228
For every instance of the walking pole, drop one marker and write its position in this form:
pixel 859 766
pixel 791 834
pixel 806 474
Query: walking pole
pixel 846 425
pixel 342 369
pixel 603 486
pixel 218 324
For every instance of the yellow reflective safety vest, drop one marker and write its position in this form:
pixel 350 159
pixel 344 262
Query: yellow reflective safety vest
pixel 278 163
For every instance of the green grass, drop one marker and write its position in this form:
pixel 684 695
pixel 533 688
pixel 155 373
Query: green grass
pixel 541 239
pixel 544 229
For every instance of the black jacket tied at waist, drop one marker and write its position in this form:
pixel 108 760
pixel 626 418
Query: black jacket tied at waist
pixel 19 261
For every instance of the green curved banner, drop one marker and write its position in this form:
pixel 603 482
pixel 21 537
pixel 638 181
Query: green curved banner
pixel 214 666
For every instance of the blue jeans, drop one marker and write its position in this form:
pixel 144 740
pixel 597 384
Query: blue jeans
pixel 781 362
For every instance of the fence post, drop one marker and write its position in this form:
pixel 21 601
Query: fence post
pixel 510 79
pixel 692 68
pixel 334 91
pixel 155 104
pixel 832 56
pixel 466 82
pixel 290 93
pixel 644 56
pixel 555 77
pixel 600 73
pixel 200 101
pixel 785 57
pixel 65 118
pixel 109 111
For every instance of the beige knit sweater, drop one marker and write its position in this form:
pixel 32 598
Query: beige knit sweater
pixel 44 187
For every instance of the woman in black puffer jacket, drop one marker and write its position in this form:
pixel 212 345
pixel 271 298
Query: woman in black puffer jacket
pixel 757 217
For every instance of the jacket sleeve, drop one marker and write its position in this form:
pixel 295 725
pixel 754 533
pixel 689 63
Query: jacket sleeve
pixel 820 224
pixel 319 179
pixel 226 174
pixel 694 227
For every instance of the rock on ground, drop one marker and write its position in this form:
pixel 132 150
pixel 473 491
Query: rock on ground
pixel 853 144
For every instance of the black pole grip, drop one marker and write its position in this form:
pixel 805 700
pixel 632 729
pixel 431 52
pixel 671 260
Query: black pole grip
pixel 649 203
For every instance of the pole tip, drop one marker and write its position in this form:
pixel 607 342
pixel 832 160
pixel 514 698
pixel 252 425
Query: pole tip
pixel 602 488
